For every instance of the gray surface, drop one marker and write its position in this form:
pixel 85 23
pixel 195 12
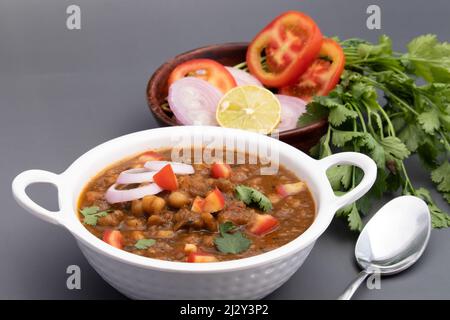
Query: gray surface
pixel 63 92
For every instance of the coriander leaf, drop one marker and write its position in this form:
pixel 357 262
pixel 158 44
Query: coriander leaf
pixel 252 196
pixel 439 218
pixel 411 135
pixel 429 121
pixel 226 227
pixel 143 244
pixel 234 243
pixel 339 114
pixel 376 150
pixel 441 176
pixel 91 214
pixel 340 138
pixel 340 175
pixel 86 211
pixel 430 58
pixel 90 220
pixel 354 219
pixel 395 147
pixel 314 112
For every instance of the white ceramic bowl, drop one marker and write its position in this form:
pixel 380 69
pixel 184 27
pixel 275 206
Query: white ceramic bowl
pixel 145 278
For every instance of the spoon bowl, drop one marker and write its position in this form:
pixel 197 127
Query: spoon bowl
pixel 393 240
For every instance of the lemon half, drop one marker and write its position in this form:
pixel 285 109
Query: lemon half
pixel 250 108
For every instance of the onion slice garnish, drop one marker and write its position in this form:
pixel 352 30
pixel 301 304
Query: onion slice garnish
pixel 194 101
pixel 177 167
pixel 243 78
pixel 113 195
pixel 139 175
pixel 291 109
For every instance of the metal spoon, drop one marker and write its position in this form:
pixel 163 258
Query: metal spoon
pixel 392 240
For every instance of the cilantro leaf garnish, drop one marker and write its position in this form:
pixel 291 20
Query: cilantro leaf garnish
pixel 229 241
pixel 143 244
pixel 252 196
pixel 91 214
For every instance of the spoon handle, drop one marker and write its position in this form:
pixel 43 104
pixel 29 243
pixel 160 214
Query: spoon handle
pixel 352 287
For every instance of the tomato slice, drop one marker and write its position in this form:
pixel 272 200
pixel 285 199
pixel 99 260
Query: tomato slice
pixel 290 43
pixel 205 69
pixel 166 179
pixel 323 74
pixel 114 238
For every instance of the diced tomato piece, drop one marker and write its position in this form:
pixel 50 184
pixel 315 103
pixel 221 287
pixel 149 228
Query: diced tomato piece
pixel 114 238
pixel 220 170
pixel 214 201
pixel 150 156
pixel 198 204
pixel 166 179
pixel 263 224
pixel 190 248
pixel 201 257
pixel 290 189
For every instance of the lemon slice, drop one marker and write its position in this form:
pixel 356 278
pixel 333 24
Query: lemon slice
pixel 250 108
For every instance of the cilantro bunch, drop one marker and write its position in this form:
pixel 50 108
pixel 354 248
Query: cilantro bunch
pixel 389 105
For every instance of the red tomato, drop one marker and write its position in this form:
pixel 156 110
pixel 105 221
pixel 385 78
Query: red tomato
pixel 214 201
pixel 200 257
pixel 205 69
pixel 166 179
pixel 220 170
pixel 322 76
pixel 263 223
pixel 114 238
pixel 290 43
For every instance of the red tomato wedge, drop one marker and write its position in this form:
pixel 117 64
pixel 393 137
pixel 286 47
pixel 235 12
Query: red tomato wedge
pixel 220 170
pixel 198 204
pixel 201 257
pixel 205 69
pixel 323 74
pixel 214 201
pixel 114 238
pixel 166 179
pixel 290 43
pixel 263 224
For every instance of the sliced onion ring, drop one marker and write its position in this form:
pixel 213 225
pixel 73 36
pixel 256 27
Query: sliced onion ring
pixel 291 109
pixel 194 101
pixel 113 195
pixel 243 78
pixel 139 175
pixel 177 167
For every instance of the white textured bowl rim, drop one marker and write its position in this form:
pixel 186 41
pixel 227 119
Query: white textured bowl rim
pixel 326 202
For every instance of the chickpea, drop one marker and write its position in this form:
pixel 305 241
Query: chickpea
pixel 155 220
pixel 147 204
pixel 178 199
pixel 137 209
pixel 137 235
pixel 157 205
pixel 165 234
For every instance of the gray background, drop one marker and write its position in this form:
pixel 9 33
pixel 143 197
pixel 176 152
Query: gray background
pixel 63 92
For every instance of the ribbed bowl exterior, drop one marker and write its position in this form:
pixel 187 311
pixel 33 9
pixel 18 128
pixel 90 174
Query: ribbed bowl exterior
pixel 140 283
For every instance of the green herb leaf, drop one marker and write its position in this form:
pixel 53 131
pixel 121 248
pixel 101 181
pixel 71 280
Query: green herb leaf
pixel 252 196
pixel 91 214
pixel 143 244
pixel 430 58
pixel 234 243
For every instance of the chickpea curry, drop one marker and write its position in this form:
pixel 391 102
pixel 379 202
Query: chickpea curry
pixel 150 206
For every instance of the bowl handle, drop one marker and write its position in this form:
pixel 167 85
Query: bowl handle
pixel 29 177
pixel 360 160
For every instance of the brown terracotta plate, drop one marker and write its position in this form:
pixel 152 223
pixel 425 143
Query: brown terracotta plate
pixel 228 54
